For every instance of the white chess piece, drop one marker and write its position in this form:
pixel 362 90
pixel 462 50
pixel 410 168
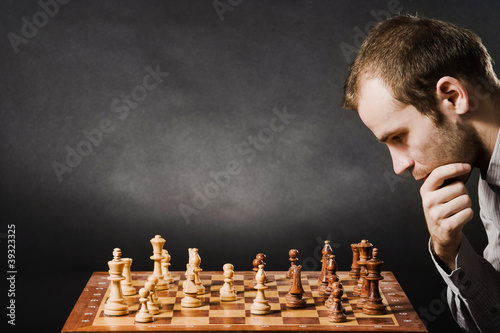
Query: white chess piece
pixel 116 305
pixel 190 299
pixel 260 304
pixel 157 242
pixel 228 291
pixel 143 315
pixel 195 261
pixel 153 308
pixel 165 263
pixel 127 288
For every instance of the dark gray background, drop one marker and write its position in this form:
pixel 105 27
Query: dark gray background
pixel 323 177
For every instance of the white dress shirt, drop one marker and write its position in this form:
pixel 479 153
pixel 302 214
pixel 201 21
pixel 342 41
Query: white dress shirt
pixel 474 286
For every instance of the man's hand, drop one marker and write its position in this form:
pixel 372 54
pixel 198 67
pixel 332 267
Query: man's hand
pixel 447 209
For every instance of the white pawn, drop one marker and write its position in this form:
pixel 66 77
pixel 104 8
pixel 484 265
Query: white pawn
pixel 165 262
pixel 152 307
pixel 190 299
pixel 260 304
pixel 227 291
pixel 144 316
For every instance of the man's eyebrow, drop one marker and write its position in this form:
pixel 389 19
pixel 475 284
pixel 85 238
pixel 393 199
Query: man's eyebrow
pixel 385 136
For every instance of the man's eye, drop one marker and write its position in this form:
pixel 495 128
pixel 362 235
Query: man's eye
pixel 397 138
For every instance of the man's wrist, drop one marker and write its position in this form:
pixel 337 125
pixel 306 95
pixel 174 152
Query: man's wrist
pixel 445 258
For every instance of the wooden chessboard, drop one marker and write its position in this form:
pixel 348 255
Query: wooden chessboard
pixel 214 315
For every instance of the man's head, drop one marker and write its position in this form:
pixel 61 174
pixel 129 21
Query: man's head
pixel 411 84
pixel 411 54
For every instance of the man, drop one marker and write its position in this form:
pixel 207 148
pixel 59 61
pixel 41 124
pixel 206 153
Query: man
pixel 427 90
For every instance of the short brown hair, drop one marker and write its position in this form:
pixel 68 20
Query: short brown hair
pixel 410 54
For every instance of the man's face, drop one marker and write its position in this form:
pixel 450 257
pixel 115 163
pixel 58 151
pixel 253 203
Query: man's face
pixel 415 142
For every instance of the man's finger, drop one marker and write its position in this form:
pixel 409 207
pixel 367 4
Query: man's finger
pixel 439 175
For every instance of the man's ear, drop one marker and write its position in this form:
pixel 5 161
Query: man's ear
pixel 452 96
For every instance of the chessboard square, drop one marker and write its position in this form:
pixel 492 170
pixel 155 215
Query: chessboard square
pixel 320 306
pixel 263 320
pixel 112 321
pixel 192 313
pixel 219 277
pixel 349 283
pixel 322 313
pixel 300 321
pixel 190 321
pixel 375 321
pixel 227 313
pixel 283 283
pixel 216 285
pixel 275 312
pixel 167 300
pixel 167 306
pixel 170 293
pixel 304 312
pixel 227 320
pixel 349 322
pixel 228 306
pixel 283 288
pixel 308 294
pixel 162 320
pixel 239 288
pixel 272 294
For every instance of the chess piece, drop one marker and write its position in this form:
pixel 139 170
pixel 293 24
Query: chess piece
pixel 364 254
pixel 190 299
pixel 256 262
pixel 165 263
pixel 154 280
pixel 327 250
pixel 262 258
pixel 228 291
pixel 143 315
pixel 152 305
pixel 294 298
pixel 374 304
pixel 331 280
pixel 260 304
pixel 195 261
pixel 331 268
pixel 157 242
pixel 293 253
pixel 127 288
pixel 354 273
pixel 116 305
pixel 357 288
pixel 336 312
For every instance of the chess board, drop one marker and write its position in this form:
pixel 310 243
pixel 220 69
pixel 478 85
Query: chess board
pixel 214 315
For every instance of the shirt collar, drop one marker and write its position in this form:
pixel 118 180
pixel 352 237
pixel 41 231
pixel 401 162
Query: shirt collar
pixel 493 173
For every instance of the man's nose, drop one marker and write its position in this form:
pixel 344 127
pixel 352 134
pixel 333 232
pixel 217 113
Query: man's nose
pixel 401 160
